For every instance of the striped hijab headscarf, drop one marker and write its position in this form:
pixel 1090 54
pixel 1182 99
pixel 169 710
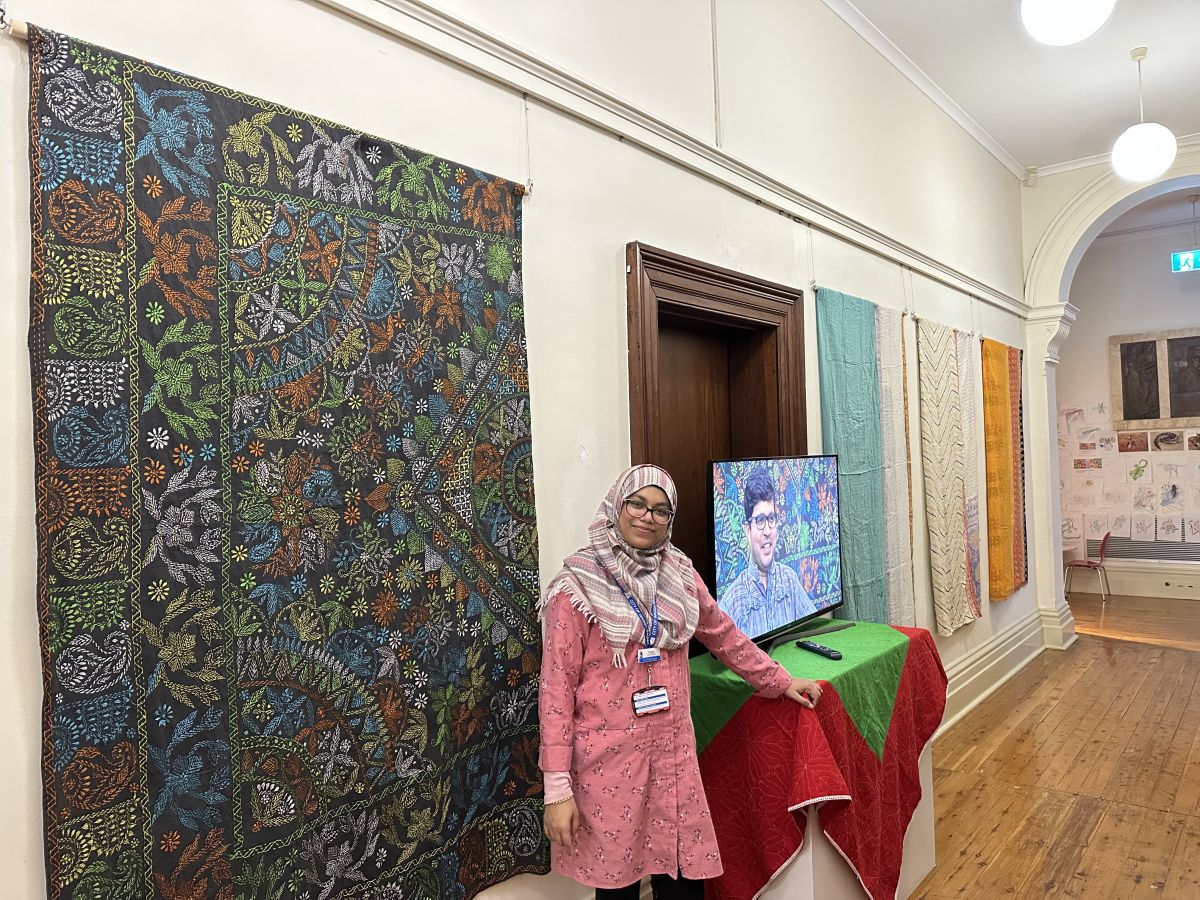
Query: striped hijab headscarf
pixel 599 576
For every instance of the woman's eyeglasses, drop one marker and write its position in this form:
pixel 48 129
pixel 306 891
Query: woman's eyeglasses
pixel 638 509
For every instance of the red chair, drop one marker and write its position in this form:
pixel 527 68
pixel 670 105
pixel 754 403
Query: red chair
pixel 1096 565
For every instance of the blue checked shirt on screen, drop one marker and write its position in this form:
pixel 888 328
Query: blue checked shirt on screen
pixel 757 608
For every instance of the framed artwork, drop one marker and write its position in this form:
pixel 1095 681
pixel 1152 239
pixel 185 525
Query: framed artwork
pixel 1154 379
pixel 1133 442
pixel 1166 440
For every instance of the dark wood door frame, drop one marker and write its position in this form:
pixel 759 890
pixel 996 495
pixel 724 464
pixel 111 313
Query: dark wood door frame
pixel 663 285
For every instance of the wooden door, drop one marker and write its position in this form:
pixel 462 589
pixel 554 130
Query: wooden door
pixel 716 371
pixel 694 420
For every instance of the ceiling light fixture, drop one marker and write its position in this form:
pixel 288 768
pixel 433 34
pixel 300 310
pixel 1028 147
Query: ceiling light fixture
pixel 1063 22
pixel 1147 149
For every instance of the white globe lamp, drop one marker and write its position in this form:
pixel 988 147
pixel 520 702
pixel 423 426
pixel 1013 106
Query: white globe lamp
pixel 1146 149
pixel 1060 23
pixel 1143 152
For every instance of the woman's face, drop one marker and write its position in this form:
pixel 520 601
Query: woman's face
pixel 643 533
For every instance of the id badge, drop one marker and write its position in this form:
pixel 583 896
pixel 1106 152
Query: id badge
pixel 651 700
pixel 649 654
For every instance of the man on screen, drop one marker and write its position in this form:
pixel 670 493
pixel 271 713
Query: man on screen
pixel 765 596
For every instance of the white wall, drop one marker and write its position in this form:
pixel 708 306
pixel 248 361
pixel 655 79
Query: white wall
pixel 1124 285
pixel 801 98
pixel 1044 200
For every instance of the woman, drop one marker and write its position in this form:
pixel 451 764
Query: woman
pixel 623 791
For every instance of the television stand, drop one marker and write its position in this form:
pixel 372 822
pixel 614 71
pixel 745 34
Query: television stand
pixel 811 629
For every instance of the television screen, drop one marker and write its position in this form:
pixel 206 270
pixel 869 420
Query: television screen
pixel 776 540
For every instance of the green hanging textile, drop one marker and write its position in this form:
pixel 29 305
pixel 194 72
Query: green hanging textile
pixel 850 424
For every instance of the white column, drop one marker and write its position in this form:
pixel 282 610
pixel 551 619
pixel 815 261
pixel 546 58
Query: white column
pixel 1045 330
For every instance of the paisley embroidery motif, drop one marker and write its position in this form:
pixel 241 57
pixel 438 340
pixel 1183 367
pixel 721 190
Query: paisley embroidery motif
pixel 52 51
pixel 87 329
pixel 84 106
pixel 93 781
pixel 84 550
pixel 84 217
pixel 93 160
pixel 84 438
pixel 88 666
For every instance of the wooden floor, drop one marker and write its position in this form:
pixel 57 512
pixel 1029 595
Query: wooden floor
pixel 1149 620
pixel 1080 777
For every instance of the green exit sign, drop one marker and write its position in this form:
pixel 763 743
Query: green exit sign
pixel 1185 261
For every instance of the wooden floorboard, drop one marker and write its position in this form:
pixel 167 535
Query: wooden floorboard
pixel 1146 620
pixel 1080 777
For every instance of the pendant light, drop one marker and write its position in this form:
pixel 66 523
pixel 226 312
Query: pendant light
pixel 1062 22
pixel 1147 149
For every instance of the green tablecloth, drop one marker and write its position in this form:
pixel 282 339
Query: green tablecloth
pixel 865 678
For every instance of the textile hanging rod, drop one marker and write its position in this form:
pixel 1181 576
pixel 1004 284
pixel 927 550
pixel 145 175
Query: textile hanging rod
pixel 19 30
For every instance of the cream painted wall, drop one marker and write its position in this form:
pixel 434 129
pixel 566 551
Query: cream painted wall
pixel 801 97
pixel 804 97
pixel 617 46
pixel 1043 201
pixel 1123 286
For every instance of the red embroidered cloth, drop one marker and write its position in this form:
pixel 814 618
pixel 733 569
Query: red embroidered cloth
pixel 771 760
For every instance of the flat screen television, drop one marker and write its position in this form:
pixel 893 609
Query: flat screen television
pixel 776 541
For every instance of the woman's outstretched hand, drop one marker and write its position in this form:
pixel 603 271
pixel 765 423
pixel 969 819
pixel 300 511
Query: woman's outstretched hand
pixel 561 821
pixel 803 691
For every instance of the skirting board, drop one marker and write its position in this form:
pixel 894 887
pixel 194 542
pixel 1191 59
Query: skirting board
pixel 539 887
pixel 973 677
pixel 1145 578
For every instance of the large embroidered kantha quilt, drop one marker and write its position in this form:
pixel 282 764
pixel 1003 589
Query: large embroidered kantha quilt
pixel 287 552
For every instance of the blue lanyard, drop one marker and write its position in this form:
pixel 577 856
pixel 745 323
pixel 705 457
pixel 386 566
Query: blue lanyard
pixel 649 628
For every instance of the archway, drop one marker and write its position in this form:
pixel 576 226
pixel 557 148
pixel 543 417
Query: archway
pixel 1047 288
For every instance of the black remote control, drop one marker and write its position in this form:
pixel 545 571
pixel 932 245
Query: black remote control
pixel 820 649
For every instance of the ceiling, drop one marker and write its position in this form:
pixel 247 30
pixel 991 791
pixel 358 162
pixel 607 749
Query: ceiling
pixel 1169 211
pixel 1035 105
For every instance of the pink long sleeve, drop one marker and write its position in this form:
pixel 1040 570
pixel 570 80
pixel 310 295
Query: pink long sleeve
pixel 728 644
pixel 562 658
pixel 557 786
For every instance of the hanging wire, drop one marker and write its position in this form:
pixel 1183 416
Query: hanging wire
pixel 906 293
pixel 528 145
pixel 1194 198
pixel 1141 108
pixel 812 261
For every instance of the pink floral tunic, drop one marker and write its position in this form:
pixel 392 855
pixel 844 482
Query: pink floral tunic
pixel 636 781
